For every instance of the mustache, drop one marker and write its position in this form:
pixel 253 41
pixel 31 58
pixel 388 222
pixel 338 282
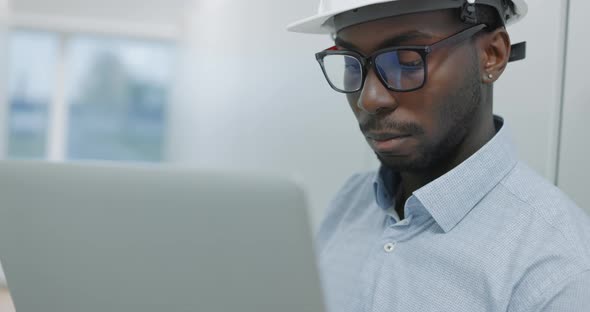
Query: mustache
pixel 385 125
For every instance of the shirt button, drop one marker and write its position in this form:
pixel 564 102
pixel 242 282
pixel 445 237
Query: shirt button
pixel 389 247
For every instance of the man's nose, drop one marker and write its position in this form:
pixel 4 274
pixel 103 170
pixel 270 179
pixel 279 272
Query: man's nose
pixel 375 97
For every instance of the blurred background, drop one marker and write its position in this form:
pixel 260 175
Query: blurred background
pixel 221 84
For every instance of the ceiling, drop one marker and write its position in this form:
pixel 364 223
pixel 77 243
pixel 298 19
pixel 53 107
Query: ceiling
pixel 140 11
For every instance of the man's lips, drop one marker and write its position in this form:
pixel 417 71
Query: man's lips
pixel 387 142
pixel 384 136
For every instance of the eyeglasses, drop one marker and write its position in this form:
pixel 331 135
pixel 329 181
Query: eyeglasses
pixel 400 69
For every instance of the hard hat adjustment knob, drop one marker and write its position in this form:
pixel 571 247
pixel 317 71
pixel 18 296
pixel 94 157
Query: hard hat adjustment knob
pixel 468 13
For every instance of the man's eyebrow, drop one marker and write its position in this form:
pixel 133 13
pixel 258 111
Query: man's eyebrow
pixel 391 42
pixel 341 43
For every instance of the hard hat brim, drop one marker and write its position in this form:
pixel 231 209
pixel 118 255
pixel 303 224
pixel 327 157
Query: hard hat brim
pixel 323 23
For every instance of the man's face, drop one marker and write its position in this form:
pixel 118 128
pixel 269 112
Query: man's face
pixel 434 119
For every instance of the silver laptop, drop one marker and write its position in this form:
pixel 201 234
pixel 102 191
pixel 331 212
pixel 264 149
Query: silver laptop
pixel 96 238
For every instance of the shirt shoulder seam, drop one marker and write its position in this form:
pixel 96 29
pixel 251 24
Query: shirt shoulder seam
pixel 536 211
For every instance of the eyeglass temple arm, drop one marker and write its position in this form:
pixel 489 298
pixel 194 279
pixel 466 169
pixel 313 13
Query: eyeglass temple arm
pixel 456 38
pixel 517 52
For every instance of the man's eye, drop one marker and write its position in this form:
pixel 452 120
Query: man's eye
pixel 411 64
pixel 352 67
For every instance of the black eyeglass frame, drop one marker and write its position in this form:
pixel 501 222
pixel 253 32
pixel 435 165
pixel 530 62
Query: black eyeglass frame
pixel 422 50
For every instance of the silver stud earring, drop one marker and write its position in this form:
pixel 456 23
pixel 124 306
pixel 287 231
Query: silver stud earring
pixel 490 76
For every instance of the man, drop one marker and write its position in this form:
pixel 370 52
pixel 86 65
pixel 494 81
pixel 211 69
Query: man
pixel 452 221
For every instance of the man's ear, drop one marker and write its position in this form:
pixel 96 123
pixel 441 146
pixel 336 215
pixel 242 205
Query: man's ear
pixel 494 50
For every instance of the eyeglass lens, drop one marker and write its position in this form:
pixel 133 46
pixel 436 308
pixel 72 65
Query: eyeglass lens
pixel 399 69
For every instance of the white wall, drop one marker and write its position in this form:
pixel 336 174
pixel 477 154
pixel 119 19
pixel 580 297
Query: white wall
pixel 574 167
pixel 252 97
pixel 140 11
pixel 528 95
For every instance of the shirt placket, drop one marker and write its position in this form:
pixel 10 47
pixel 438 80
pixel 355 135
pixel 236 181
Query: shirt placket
pixel 395 237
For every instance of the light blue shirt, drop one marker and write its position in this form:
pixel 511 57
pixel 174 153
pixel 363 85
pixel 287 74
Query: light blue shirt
pixel 489 235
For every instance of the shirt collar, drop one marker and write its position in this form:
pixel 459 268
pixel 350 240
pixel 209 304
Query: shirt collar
pixel 451 197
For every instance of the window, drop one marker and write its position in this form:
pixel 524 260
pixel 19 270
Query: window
pixel 32 72
pixel 117 98
pixel 79 97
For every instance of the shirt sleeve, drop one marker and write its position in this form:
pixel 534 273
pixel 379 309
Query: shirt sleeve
pixel 573 295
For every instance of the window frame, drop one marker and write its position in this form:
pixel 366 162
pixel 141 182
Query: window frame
pixel 66 28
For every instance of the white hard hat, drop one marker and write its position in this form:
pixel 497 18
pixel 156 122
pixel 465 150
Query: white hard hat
pixel 334 15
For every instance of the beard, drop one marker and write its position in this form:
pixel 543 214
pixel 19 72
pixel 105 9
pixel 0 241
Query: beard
pixel 456 111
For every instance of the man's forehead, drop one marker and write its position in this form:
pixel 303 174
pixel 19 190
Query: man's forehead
pixel 387 40
pixel 417 28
